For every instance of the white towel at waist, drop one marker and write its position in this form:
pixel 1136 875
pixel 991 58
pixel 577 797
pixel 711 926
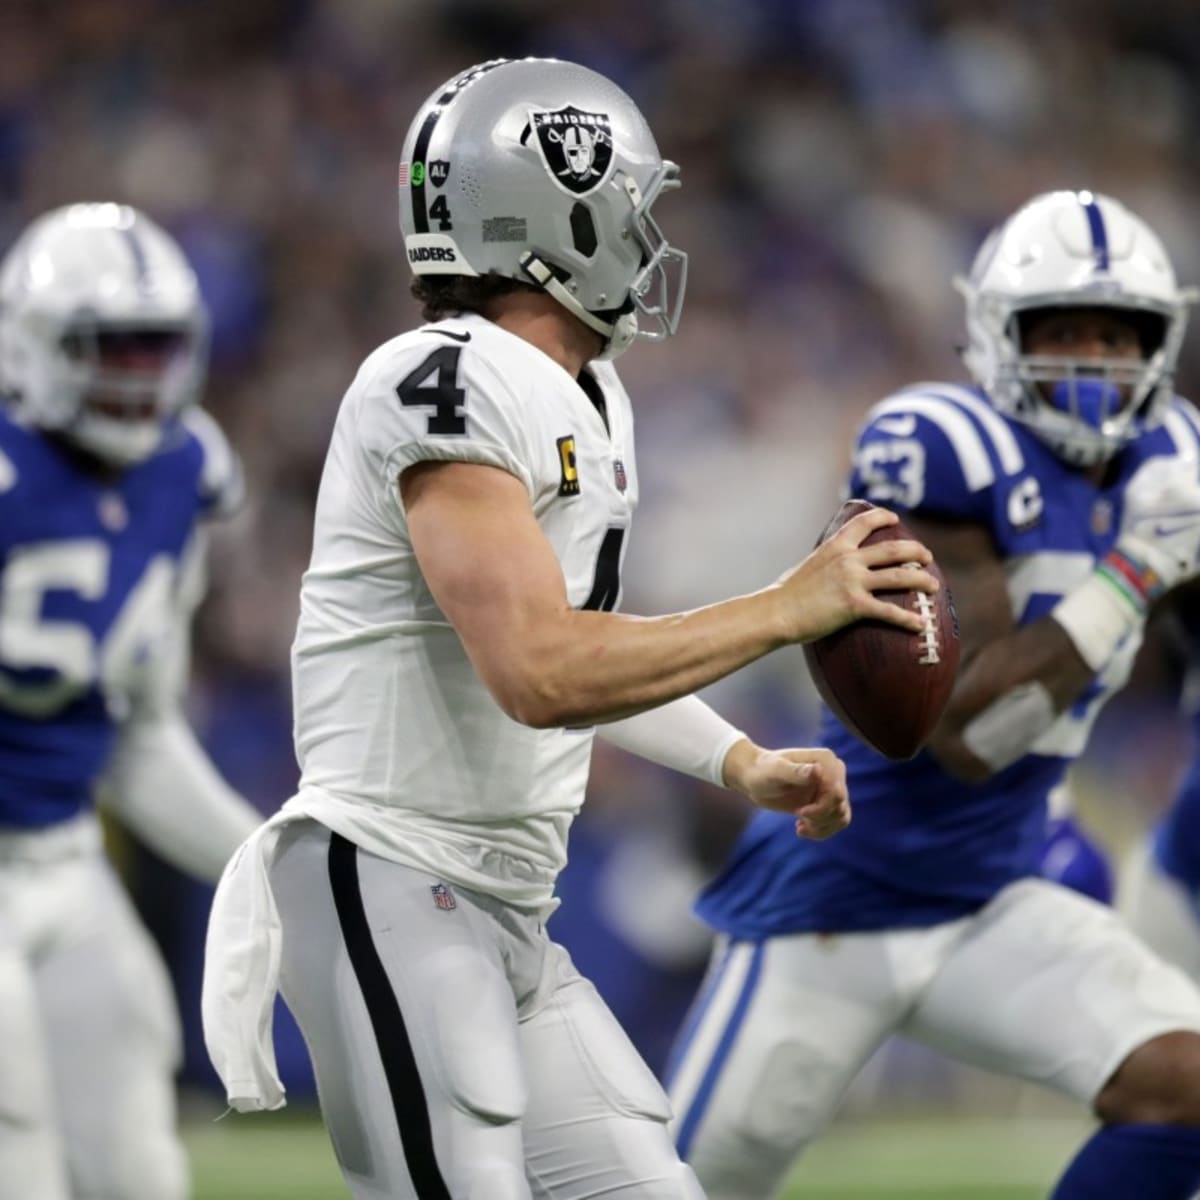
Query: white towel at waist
pixel 241 972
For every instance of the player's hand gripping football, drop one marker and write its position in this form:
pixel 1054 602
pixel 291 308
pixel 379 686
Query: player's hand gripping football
pixel 837 582
pixel 1160 526
pixel 809 784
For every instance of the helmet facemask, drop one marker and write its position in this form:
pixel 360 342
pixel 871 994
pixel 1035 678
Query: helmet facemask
pixel 1087 407
pixel 122 386
pixel 659 287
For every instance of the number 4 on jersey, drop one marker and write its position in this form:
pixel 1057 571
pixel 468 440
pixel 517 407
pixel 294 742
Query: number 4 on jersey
pixel 434 384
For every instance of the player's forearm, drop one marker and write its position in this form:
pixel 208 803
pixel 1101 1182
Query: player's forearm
pixel 685 735
pixel 1007 696
pixel 165 788
pixel 585 667
pixel 1039 652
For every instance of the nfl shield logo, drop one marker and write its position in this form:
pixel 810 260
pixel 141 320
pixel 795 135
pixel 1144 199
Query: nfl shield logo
pixel 576 147
pixel 619 475
pixel 113 513
pixel 443 897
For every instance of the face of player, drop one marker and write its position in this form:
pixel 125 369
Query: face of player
pixel 1076 333
pixel 128 382
pixel 1101 352
pixel 128 367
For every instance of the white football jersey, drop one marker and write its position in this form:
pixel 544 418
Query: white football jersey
pixel 391 720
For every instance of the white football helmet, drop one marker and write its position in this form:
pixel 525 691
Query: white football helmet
pixel 1075 250
pixel 545 172
pixel 103 332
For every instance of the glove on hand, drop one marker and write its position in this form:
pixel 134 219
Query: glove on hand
pixel 1160 528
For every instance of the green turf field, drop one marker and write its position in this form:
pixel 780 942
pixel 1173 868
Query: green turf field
pixel 287 1157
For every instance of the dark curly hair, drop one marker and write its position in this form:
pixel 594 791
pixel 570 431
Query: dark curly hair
pixel 444 295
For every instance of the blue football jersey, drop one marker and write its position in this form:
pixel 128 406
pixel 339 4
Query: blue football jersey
pixel 925 847
pixel 90 600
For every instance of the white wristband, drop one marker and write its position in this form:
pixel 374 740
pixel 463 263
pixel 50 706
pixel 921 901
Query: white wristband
pixel 685 735
pixel 1097 616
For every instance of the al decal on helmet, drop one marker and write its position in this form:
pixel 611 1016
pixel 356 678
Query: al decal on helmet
pixel 576 146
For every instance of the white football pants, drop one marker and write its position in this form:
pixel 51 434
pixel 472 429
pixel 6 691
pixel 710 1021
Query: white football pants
pixel 458 1053
pixel 1043 984
pixel 89 1036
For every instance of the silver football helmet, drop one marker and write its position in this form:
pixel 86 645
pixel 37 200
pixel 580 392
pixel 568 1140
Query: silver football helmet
pixel 1075 250
pixel 103 332
pixel 545 172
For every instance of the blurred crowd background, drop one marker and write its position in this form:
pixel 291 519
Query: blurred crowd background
pixel 842 159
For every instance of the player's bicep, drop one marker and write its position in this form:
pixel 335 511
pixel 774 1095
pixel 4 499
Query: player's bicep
pixel 975 574
pixel 487 564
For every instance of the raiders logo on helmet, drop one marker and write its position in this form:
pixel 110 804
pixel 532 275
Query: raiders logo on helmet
pixel 439 172
pixel 576 147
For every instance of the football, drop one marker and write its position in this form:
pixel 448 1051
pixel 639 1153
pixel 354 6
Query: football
pixel 888 686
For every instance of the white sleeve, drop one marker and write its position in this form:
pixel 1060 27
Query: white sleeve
pixel 685 735
pixel 426 399
pixel 222 486
pixel 163 785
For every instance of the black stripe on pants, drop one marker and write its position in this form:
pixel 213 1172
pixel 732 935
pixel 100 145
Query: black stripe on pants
pixel 399 1065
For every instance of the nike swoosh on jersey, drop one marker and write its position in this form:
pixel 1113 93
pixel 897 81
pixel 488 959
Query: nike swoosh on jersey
pixel 1169 529
pixel 458 337
pixel 900 426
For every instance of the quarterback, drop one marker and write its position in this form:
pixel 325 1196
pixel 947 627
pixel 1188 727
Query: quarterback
pixel 458 646
pixel 1061 496
pixel 106 472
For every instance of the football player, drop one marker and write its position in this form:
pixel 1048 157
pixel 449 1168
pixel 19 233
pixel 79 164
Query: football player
pixel 107 470
pixel 458 643
pixel 1061 496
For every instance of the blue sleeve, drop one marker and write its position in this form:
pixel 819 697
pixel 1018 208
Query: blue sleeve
pixel 924 454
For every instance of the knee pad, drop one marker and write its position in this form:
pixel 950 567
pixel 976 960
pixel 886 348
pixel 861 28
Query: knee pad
pixel 488 1086
pixel 471 1038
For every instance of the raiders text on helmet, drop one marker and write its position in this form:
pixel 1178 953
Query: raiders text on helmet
pixel 545 172
pixel 103 332
pixel 1075 250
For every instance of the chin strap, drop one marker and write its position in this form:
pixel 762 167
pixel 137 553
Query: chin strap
pixel 540 272
pixel 618 335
